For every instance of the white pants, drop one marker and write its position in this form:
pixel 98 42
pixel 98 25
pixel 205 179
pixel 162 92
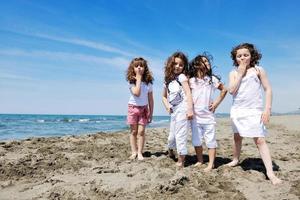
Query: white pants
pixel 179 127
pixel 206 131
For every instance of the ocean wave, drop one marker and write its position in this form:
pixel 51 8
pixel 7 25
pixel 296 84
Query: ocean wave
pixel 161 121
pixel 66 120
pixel 84 120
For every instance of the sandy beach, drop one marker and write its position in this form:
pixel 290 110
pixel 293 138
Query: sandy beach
pixel 96 166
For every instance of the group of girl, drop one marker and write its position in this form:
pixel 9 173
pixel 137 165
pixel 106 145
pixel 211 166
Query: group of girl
pixel 188 98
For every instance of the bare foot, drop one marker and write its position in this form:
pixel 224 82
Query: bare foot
pixel 133 156
pixel 233 163
pixel 274 180
pixel 198 164
pixel 208 168
pixel 140 157
pixel 179 164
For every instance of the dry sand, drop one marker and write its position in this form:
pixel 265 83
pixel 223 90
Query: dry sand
pixel 96 166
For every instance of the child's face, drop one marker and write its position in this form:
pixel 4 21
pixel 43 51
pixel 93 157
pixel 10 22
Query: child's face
pixel 139 69
pixel 243 56
pixel 178 66
pixel 206 62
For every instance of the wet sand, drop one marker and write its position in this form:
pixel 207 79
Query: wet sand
pixel 96 166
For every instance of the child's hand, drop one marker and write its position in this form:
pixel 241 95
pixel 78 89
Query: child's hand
pixel 212 107
pixel 265 117
pixel 170 110
pixel 149 118
pixel 242 68
pixel 138 75
pixel 189 114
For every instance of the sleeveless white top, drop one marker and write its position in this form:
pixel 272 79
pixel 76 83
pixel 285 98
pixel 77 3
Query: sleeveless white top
pixel 249 94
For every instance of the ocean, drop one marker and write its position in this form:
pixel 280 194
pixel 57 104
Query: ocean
pixel 22 126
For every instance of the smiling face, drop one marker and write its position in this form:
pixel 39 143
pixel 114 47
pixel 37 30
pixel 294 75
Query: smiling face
pixel 178 66
pixel 243 56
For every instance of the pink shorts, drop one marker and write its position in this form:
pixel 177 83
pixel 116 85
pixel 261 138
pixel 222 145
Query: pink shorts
pixel 137 115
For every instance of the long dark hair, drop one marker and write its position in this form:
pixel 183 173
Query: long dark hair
pixel 197 65
pixel 169 66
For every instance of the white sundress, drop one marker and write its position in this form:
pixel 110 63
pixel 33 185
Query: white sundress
pixel 247 107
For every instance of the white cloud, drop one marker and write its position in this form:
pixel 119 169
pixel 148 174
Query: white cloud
pixel 86 43
pixel 15 77
pixel 118 62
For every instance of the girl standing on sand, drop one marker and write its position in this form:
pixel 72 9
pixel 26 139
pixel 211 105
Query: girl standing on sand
pixel 203 84
pixel 177 100
pixel 140 104
pixel 247 114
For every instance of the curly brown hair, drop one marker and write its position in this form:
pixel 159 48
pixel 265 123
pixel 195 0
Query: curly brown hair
pixel 255 54
pixel 169 66
pixel 130 74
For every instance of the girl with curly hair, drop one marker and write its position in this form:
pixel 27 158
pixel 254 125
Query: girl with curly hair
pixel 177 100
pixel 203 83
pixel 248 115
pixel 140 104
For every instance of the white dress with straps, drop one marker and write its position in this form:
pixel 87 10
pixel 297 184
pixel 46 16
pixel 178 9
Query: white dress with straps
pixel 247 107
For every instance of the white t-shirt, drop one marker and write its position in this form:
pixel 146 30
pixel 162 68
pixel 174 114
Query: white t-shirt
pixel 175 92
pixel 202 94
pixel 142 100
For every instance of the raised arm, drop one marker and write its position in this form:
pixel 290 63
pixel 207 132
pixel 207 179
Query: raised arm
pixel 235 77
pixel 136 90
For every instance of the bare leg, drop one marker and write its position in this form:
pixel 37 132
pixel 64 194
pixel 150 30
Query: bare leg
pixel 133 141
pixel 212 157
pixel 266 157
pixel 141 141
pixel 199 154
pixel 180 162
pixel 236 150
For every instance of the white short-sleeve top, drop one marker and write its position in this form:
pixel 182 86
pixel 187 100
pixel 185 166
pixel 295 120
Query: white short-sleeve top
pixel 202 94
pixel 141 100
pixel 176 94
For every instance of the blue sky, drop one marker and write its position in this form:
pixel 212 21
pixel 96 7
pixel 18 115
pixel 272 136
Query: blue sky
pixel 70 57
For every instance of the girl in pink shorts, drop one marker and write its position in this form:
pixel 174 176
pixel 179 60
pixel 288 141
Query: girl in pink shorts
pixel 140 104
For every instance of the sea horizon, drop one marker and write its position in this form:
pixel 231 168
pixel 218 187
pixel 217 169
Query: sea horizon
pixel 23 126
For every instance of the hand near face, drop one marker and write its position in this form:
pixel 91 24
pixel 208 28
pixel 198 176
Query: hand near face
pixel 242 68
pixel 138 75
